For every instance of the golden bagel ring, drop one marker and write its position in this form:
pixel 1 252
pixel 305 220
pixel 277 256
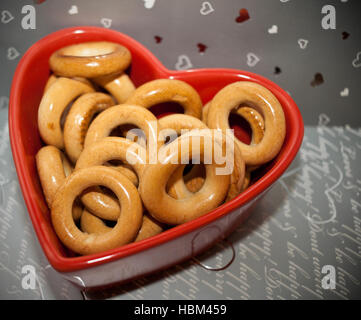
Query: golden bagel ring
pixel 122 114
pixel 92 224
pixel 52 105
pixel 53 168
pixel 109 148
pixel 256 123
pixel 78 119
pixel 261 99
pixel 182 187
pixel 166 90
pixel 194 179
pixel 119 86
pixel 169 210
pixel 251 115
pixel 53 78
pixel 90 59
pixel 176 186
pixel 125 170
pixel 128 223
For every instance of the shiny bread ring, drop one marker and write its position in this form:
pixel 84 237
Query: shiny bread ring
pixel 52 79
pixel 261 99
pixel 251 115
pixel 176 186
pixel 122 114
pixel 92 224
pixel 169 210
pixel 176 123
pixel 52 105
pixel 119 86
pixel 90 59
pixel 128 172
pixel 182 187
pixel 78 119
pixel 150 227
pixel 166 90
pixel 53 168
pixel 109 148
pixel 128 223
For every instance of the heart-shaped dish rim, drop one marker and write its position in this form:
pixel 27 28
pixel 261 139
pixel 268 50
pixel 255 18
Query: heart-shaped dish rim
pixel 88 33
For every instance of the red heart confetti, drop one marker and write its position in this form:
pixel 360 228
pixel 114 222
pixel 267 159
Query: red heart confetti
pixel 345 35
pixel 158 39
pixel 201 47
pixel 243 15
pixel 318 80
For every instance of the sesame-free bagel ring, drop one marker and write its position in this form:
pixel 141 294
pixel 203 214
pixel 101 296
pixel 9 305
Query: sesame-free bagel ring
pixel 251 115
pixel 52 79
pixel 176 186
pixel 119 85
pixel 256 123
pixel 261 99
pixel 92 224
pixel 90 59
pixel 78 119
pixel 169 210
pixel 53 168
pixel 175 123
pixel 166 90
pixel 53 103
pixel 128 223
pixel 109 148
pixel 122 114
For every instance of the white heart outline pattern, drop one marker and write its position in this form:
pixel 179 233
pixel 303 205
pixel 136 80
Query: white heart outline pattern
pixel 183 63
pixel 6 16
pixel 357 61
pixel 149 4
pixel 12 53
pixel 73 10
pixel 206 8
pixel 303 43
pixel 106 22
pixel 345 92
pixel 252 59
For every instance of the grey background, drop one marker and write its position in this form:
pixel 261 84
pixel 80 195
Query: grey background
pixel 311 217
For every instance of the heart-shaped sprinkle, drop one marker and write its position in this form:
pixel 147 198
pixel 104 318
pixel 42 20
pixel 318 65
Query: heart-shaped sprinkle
pixel 158 39
pixel 243 15
pixel 345 35
pixel 6 16
pixel 73 10
pixel 12 53
pixel 277 70
pixel 206 8
pixel 273 29
pixel 357 61
pixel 183 63
pixel 345 92
pixel 149 4
pixel 302 43
pixel 252 59
pixel 317 80
pixel 107 23
pixel 201 48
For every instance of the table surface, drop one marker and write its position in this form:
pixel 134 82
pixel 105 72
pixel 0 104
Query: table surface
pixel 310 219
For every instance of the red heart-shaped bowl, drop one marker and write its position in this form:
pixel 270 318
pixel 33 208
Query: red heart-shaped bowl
pixel 172 246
